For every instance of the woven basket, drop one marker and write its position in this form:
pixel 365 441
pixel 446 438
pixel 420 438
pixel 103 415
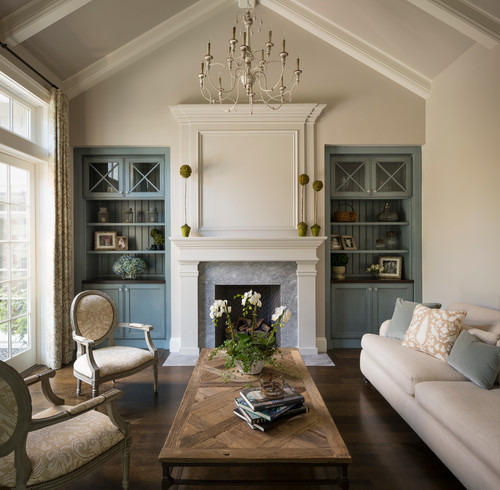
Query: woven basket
pixel 345 216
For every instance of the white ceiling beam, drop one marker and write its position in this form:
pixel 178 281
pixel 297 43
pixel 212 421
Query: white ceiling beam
pixel 465 18
pixel 352 45
pixel 34 17
pixel 144 44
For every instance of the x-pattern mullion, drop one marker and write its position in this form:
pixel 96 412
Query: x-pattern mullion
pixel 145 177
pixel 350 176
pixel 391 176
pixel 104 177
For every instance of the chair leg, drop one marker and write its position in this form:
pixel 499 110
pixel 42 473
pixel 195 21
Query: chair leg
pixel 125 466
pixel 95 390
pixel 78 387
pixel 155 374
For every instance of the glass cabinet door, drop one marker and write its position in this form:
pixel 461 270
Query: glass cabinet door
pixel 391 176
pixel 350 176
pixel 103 177
pixel 145 177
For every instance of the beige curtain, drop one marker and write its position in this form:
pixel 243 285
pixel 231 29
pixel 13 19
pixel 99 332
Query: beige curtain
pixel 60 343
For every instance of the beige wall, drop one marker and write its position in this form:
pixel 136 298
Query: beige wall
pixel 461 182
pixel 363 107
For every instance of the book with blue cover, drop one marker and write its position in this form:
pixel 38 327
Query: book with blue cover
pixel 254 423
pixel 257 401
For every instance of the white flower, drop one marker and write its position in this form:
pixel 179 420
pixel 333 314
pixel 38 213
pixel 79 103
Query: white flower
pixel 287 315
pixel 255 299
pixel 247 295
pixel 277 313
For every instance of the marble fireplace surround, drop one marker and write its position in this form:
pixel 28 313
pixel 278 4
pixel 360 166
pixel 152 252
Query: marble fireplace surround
pixel 190 252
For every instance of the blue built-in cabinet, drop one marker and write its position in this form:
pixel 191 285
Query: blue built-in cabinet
pixel 132 185
pixel 362 179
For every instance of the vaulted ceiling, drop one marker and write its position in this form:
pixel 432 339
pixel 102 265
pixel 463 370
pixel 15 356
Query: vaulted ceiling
pixel 78 43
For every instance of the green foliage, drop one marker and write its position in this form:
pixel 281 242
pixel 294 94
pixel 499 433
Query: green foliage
pixel 339 259
pixel 157 236
pixel 185 171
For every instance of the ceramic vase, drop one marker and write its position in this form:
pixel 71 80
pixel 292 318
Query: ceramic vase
pixel 338 271
pixel 255 368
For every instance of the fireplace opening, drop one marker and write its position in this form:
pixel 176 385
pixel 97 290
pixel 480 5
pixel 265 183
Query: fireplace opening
pixel 270 299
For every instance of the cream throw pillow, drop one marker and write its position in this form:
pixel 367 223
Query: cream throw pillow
pixel 433 331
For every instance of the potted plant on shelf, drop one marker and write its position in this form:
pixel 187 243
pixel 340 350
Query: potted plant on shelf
pixel 128 266
pixel 339 261
pixel 249 353
pixel 158 239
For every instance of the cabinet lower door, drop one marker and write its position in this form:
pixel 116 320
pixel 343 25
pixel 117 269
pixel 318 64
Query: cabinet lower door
pixel 384 300
pixel 350 314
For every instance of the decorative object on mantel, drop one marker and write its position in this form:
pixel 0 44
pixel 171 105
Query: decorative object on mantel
pixel 158 239
pixel 317 186
pixel 375 270
pixel 387 214
pixel 345 216
pixel 339 262
pixel 128 266
pixel 251 71
pixel 185 172
pixel 249 352
pixel 302 227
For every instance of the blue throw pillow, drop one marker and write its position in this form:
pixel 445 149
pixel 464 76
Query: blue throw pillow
pixel 401 318
pixel 476 360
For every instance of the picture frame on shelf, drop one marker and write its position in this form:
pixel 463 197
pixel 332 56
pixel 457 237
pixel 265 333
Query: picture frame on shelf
pixel 335 242
pixel 393 266
pixel 348 242
pixel 122 243
pixel 105 240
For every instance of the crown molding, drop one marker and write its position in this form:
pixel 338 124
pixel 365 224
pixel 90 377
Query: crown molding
pixel 142 45
pixel 352 45
pixel 465 18
pixel 35 16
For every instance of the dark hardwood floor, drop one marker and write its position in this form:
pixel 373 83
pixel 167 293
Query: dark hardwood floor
pixel 386 453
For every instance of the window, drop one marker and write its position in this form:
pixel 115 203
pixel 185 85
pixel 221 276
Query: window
pixel 15 260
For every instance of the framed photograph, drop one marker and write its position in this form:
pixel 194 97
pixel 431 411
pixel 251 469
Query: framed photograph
pixel 335 242
pixel 122 243
pixel 105 240
pixel 348 242
pixel 393 267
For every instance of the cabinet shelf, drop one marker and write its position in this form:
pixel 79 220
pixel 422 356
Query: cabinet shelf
pixel 369 223
pixel 369 280
pixel 121 252
pixel 126 224
pixel 374 251
pixel 124 281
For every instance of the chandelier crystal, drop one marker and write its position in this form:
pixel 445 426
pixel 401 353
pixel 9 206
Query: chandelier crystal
pixel 249 72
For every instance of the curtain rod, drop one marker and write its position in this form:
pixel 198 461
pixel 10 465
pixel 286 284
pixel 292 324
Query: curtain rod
pixel 27 64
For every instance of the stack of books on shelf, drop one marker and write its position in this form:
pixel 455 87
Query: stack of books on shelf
pixel 262 413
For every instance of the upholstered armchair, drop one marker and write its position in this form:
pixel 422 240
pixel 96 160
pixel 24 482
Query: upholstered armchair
pixel 93 320
pixel 59 444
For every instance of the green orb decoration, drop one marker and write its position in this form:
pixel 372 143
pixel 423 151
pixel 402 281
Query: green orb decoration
pixel 186 171
pixel 317 185
pixel 303 179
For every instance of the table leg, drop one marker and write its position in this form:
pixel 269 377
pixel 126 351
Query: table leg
pixel 167 481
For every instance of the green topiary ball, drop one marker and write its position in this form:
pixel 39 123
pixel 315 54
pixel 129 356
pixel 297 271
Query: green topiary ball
pixel 186 171
pixel 317 185
pixel 303 179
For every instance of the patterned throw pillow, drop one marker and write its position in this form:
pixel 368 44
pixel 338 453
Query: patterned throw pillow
pixel 433 331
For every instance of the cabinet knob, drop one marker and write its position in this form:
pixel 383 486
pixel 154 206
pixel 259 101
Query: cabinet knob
pixel 126 290
pixel 375 289
pixel 369 289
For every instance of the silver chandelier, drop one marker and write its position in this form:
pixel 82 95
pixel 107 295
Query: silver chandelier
pixel 250 72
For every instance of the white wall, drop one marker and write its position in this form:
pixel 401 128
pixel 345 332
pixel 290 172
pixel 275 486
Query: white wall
pixel 461 182
pixel 131 108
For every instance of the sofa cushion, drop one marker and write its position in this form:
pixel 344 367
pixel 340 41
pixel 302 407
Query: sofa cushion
pixel 433 331
pixel 468 412
pixel 407 367
pixel 401 318
pixel 476 360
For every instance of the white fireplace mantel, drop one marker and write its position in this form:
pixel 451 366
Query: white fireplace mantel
pixel 189 252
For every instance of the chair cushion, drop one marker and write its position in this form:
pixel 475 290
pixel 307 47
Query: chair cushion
pixel 113 360
pixel 95 316
pixel 62 448
pixel 407 367
pixel 433 331
pixel 8 411
pixel 471 414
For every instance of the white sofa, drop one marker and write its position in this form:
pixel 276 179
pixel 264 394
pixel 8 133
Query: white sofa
pixel 456 418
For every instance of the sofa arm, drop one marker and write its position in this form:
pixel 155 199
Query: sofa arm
pixel 383 328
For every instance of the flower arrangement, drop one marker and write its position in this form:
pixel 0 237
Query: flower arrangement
pixel 317 186
pixel 242 350
pixel 375 270
pixel 302 226
pixel 128 267
pixel 185 172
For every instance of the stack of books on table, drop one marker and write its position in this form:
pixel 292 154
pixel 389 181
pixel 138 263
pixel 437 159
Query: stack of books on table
pixel 263 414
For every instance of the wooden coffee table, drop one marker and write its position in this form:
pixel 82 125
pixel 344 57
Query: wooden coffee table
pixel 206 434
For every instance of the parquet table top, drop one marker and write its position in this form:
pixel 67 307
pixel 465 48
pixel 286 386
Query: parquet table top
pixel 205 431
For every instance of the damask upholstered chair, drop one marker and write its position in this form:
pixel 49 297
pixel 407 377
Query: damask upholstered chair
pixel 94 319
pixel 59 444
